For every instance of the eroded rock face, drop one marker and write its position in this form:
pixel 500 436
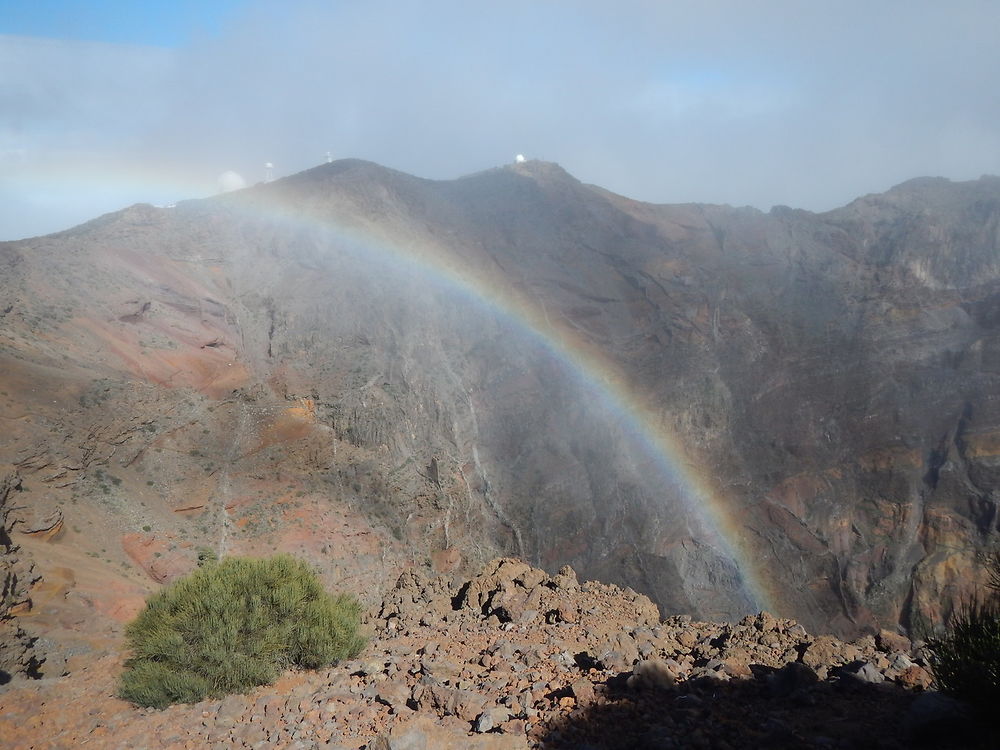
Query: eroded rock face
pixel 722 408
pixel 17 653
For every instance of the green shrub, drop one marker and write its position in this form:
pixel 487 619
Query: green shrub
pixel 233 625
pixel 966 659
pixel 207 556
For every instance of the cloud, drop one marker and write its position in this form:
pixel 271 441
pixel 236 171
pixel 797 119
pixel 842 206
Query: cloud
pixel 71 117
pixel 802 104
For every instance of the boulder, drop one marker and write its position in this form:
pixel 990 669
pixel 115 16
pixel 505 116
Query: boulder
pixel 915 677
pixel 889 642
pixel 652 674
pixel 447 701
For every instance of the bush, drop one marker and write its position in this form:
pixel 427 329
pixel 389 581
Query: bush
pixel 966 660
pixel 233 625
pixel 207 556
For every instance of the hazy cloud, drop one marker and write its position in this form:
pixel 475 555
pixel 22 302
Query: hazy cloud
pixel 804 104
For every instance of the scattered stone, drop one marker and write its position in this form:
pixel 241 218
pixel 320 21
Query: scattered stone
pixel 583 690
pixel 900 662
pixel 652 674
pixel 797 632
pixel 791 678
pixel 828 651
pixel 422 733
pixel 614 678
pixel 889 642
pixel 394 693
pixel 490 719
pixel 915 678
pixel 465 704
pixel 863 671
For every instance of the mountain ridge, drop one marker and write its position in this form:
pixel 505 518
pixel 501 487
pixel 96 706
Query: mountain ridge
pixel 310 348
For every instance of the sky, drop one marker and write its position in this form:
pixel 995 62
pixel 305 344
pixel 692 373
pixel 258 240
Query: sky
pixel 777 102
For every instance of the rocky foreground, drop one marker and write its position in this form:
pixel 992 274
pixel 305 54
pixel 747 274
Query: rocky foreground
pixel 515 658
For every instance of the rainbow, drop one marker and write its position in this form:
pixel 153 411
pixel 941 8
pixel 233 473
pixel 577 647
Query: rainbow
pixel 602 377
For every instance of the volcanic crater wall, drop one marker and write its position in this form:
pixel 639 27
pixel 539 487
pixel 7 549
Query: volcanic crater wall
pixel 483 365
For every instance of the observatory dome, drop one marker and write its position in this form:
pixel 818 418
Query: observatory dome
pixel 229 181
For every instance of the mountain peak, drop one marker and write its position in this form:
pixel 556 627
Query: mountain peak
pixel 539 169
pixel 347 168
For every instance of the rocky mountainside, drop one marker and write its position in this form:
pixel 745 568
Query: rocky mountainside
pixel 725 409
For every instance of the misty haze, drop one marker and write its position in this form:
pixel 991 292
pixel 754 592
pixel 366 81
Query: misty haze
pixel 628 377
